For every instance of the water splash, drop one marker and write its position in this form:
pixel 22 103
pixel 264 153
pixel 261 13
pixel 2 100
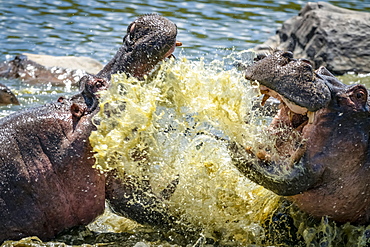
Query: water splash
pixel 166 126
pixel 173 118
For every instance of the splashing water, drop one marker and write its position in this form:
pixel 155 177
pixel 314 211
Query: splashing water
pixel 166 126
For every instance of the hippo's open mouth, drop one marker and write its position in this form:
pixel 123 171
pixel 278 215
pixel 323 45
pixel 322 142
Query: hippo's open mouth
pixel 301 90
pixel 290 114
pixel 317 151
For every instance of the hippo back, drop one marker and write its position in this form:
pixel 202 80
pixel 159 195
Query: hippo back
pixel 48 173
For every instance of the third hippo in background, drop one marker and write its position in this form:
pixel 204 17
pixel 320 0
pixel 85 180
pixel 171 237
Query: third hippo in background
pixel 325 167
pixel 47 179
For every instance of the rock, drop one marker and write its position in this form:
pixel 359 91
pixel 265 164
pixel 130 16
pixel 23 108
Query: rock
pixel 327 35
pixel 45 69
pixel 87 64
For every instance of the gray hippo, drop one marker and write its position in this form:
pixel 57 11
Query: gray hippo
pixel 322 137
pixel 47 179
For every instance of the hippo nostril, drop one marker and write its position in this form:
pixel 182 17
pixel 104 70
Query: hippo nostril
pixel 99 84
pixel 306 61
pixel 259 57
pixel 287 54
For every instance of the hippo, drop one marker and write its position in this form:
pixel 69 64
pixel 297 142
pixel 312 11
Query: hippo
pixel 48 183
pixel 322 139
pixel 7 97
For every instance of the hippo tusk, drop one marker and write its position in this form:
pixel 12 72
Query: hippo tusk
pixel 311 116
pixel 169 54
pixel 264 99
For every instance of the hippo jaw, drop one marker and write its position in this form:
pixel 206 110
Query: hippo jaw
pixel 302 93
pixel 307 100
pixel 149 39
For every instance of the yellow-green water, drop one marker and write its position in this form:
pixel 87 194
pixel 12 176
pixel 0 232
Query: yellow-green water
pixel 174 117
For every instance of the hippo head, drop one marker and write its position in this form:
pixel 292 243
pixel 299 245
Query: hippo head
pixel 327 122
pixel 149 39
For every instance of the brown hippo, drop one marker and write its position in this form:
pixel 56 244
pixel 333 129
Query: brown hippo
pixel 322 132
pixel 47 182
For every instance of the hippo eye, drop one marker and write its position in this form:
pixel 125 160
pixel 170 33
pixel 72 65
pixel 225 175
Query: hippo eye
pixel 360 95
pixel 99 85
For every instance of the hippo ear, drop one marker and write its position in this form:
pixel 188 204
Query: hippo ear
pixel 359 96
pixel 324 71
pixel 77 111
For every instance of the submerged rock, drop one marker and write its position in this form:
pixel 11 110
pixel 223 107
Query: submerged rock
pixel 329 36
pixel 44 69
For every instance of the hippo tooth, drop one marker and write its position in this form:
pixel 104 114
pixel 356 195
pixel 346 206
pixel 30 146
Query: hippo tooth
pixel 264 99
pixel 311 116
pixel 290 115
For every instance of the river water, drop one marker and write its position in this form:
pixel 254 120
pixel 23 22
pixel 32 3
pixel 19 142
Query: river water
pixel 209 30
pixel 95 28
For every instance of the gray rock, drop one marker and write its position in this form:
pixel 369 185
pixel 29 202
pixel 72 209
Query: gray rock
pixel 329 36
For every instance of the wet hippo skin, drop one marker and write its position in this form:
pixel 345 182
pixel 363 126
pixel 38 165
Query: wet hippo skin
pixel 47 183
